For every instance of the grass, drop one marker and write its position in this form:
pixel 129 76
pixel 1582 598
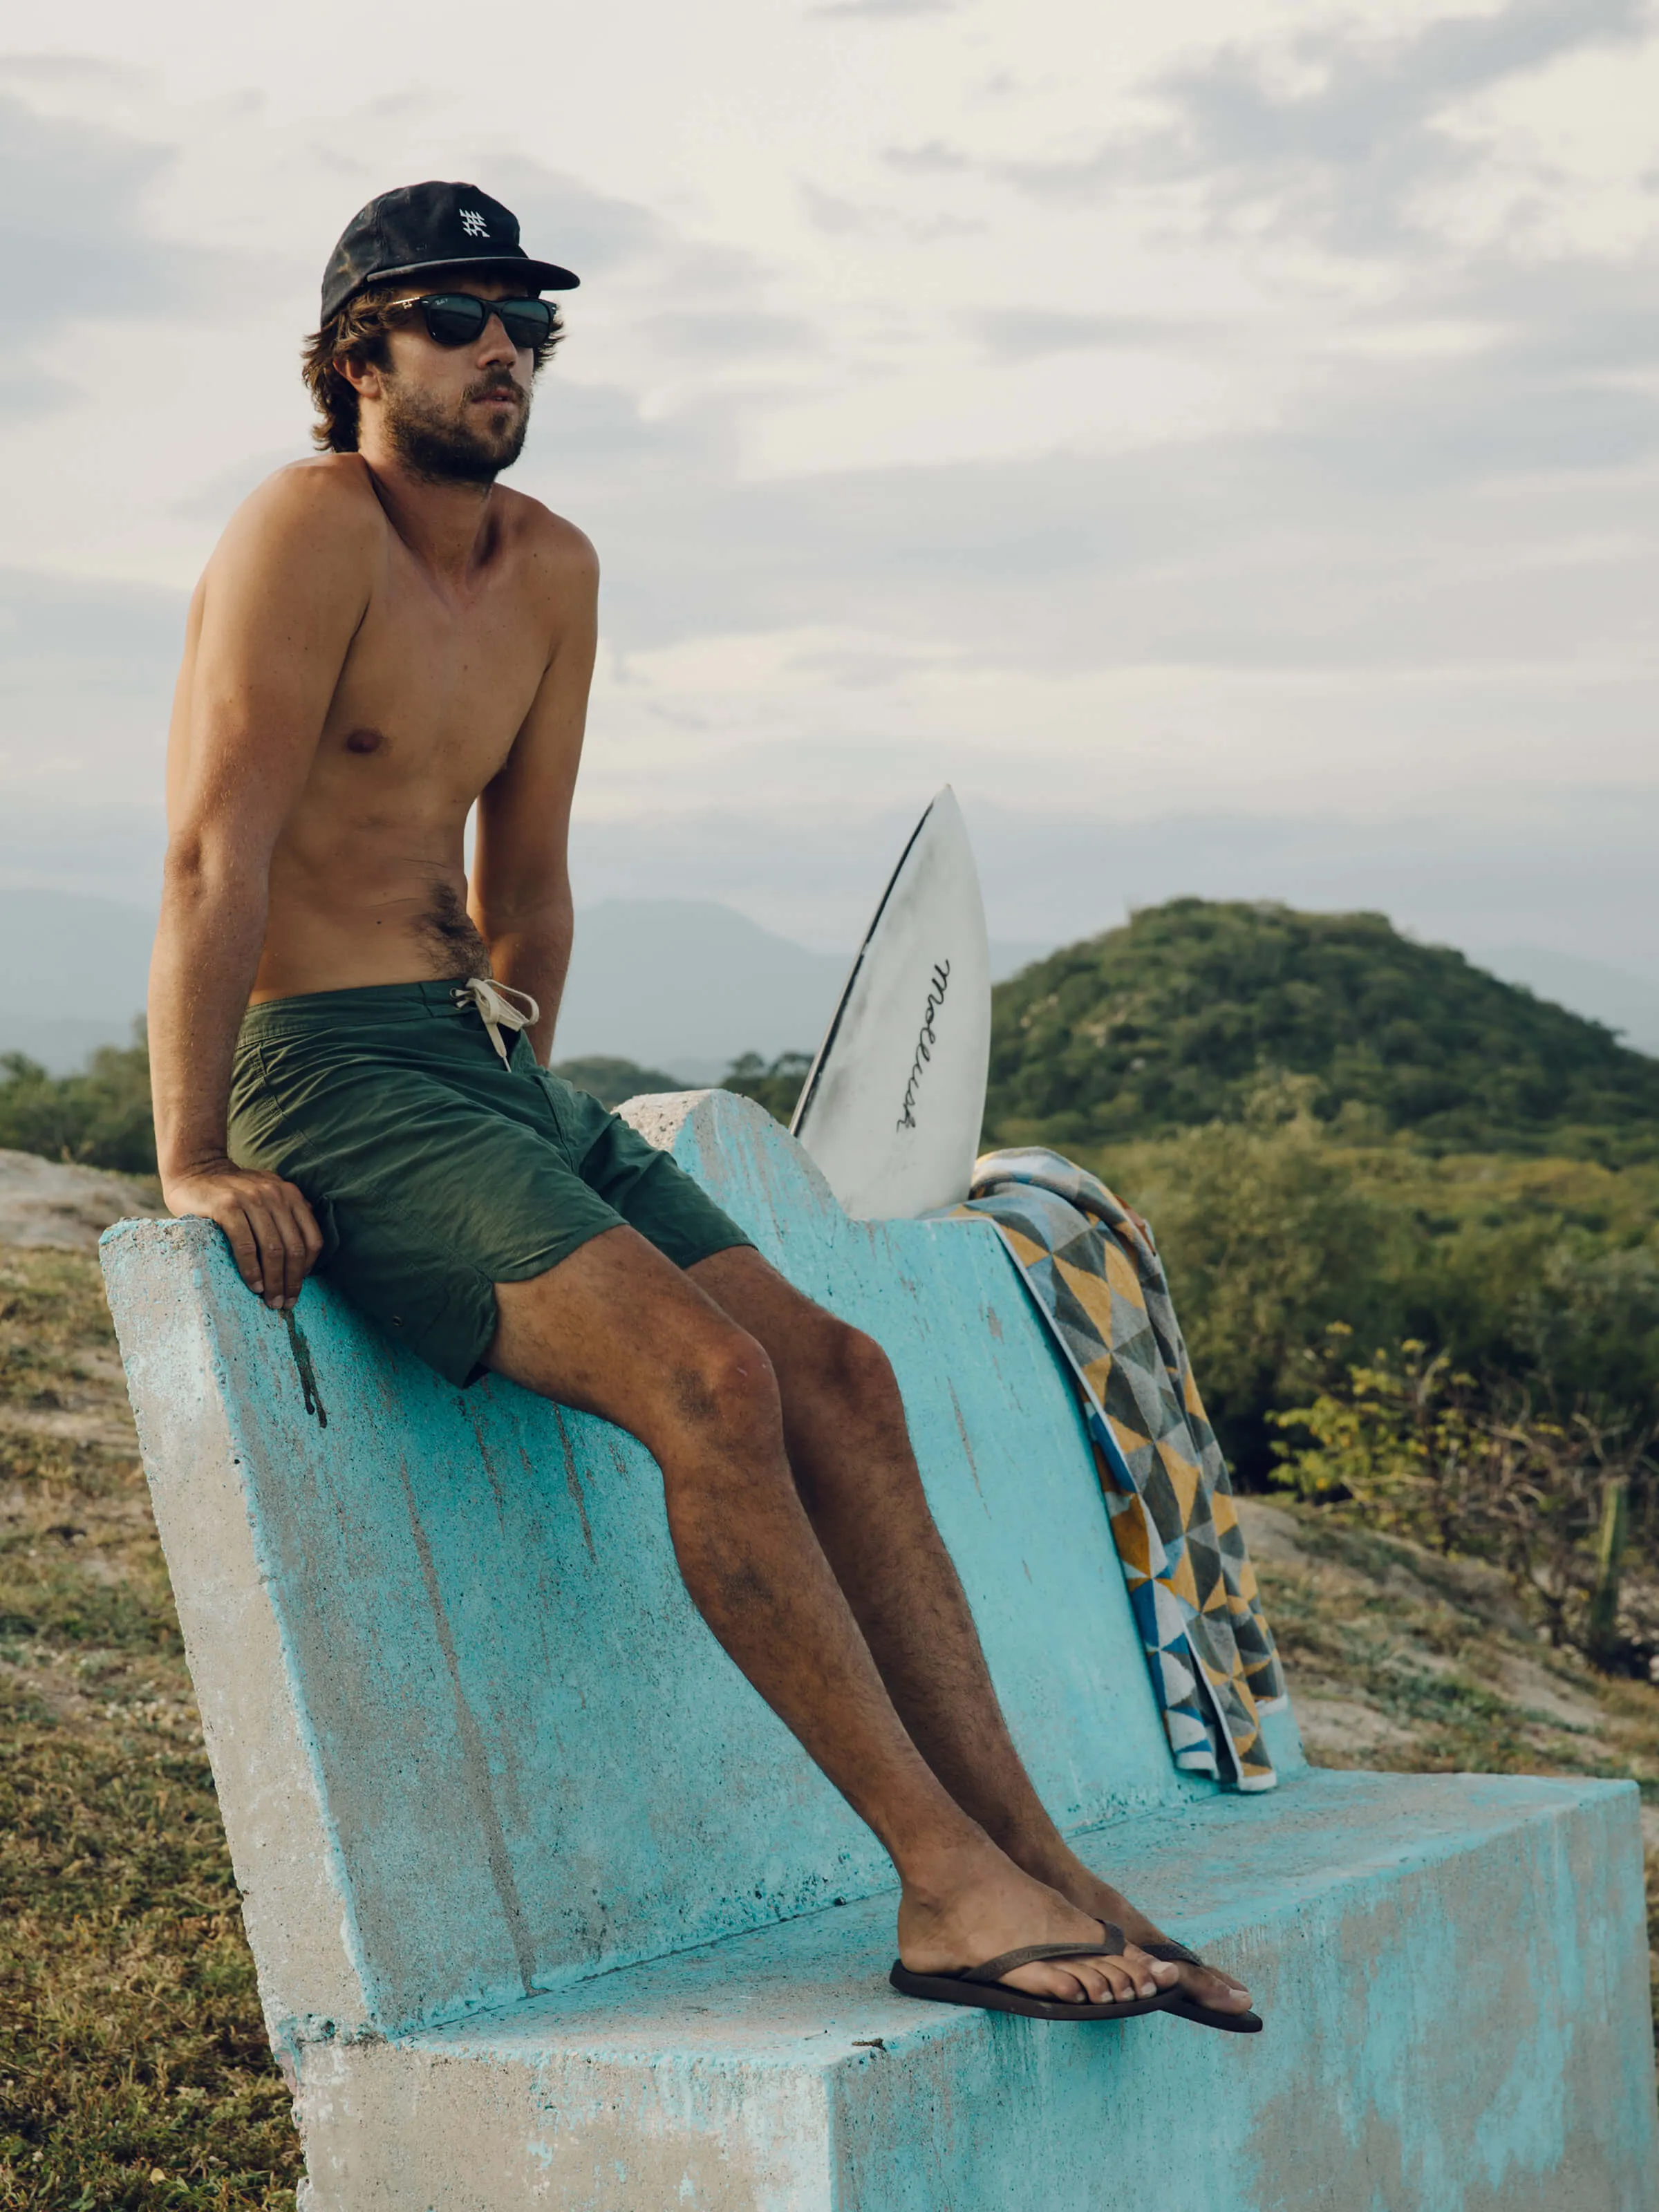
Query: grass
pixel 134 2070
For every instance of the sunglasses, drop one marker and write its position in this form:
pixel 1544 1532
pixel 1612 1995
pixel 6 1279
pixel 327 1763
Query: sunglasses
pixel 458 318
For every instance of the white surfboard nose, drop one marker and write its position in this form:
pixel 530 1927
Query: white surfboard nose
pixel 892 1107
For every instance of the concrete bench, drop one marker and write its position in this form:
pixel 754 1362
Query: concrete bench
pixel 549 1909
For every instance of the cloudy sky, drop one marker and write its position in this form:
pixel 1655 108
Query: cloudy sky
pixel 1221 439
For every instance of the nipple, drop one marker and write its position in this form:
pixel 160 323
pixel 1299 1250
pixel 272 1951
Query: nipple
pixel 365 741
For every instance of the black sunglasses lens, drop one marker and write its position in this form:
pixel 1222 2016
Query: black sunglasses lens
pixel 453 319
pixel 526 322
pixel 457 319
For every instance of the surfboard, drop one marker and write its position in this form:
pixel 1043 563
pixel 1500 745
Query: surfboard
pixel 891 1108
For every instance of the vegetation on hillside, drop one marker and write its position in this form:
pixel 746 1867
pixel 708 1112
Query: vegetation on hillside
pixel 612 1080
pixel 1540 1272
pixel 100 1117
pixel 1174 1020
pixel 774 1084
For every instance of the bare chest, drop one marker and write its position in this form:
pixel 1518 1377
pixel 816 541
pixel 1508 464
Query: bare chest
pixel 433 693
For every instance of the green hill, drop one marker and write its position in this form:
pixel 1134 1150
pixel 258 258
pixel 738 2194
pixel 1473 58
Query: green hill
pixel 1176 1019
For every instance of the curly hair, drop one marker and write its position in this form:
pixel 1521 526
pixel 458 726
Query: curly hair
pixel 357 332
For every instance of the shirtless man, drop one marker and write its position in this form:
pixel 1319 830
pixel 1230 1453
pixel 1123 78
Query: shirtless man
pixel 348 1040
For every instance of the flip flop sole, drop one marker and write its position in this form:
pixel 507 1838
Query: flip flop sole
pixel 1231 2023
pixel 995 1996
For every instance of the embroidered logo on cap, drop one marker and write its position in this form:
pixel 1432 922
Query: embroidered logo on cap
pixel 473 223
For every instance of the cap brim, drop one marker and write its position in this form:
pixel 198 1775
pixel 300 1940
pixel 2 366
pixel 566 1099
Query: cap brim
pixel 541 275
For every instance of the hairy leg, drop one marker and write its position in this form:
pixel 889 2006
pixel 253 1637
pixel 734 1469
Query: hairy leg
pixel 617 1330
pixel 849 1447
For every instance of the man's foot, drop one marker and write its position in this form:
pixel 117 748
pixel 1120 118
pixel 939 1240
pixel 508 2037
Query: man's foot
pixel 1064 1871
pixel 977 1905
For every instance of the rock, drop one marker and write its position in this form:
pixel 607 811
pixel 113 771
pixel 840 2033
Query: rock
pixel 48 1202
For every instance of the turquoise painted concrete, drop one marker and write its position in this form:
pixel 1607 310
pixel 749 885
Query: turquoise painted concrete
pixel 548 1907
pixel 536 1762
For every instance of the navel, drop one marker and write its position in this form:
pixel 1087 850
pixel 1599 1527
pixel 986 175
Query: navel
pixel 365 741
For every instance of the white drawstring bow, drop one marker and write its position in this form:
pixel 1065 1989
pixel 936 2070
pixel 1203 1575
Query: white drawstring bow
pixel 496 1009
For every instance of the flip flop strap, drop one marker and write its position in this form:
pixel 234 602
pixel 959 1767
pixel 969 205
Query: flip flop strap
pixel 1176 1954
pixel 1034 1955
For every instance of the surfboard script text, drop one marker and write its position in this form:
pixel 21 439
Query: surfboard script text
pixel 926 1040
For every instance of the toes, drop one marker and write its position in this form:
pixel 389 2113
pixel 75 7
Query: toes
pixel 1151 1974
pixel 1061 1984
pixel 1217 1990
pixel 1081 1981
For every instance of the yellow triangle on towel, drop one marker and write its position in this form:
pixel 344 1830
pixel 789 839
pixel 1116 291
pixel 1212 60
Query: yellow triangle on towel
pixel 1090 1292
pixel 1184 1479
pixel 1180 1579
pixel 1121 1275
pixel 1097 1374
pixel 1128 1443
pixel 1131 1533
pixel 1027 1251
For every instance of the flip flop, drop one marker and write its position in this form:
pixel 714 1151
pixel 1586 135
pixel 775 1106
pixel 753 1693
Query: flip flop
pixel 1185 2006
pixel 983 1987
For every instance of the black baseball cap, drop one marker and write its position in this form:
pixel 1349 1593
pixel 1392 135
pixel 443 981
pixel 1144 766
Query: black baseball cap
pixel 420 227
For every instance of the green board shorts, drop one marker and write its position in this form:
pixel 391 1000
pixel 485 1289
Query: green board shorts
pixel 436 1172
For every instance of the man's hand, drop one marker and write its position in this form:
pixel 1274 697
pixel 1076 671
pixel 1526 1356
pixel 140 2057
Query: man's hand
pixel 272 1232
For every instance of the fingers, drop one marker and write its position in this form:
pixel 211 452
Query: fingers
pixel 307 1220
pixel 243 1245
pixel 275 1238
pixel 272 1250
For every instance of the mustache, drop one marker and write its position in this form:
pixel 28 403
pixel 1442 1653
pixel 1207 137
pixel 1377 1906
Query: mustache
pixel 497 387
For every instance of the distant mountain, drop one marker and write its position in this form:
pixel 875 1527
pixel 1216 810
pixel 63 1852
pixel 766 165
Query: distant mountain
pixel 1175 1019
pixel 674 983
pixel 73 975
pixel 687 984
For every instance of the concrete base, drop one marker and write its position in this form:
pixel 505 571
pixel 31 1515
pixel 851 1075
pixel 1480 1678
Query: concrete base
pixel 1453 1970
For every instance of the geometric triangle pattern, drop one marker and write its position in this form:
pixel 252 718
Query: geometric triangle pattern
pixel 1094 1275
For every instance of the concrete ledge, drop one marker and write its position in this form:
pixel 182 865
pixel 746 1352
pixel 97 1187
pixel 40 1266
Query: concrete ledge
pixel 543 1899
pixel 1453 1969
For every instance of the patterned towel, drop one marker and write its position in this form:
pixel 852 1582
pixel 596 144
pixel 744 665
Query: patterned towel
pixel 1099 1284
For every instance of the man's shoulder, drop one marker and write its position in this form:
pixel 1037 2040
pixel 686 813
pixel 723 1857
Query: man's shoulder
pixel 328 495
pixel 324 487
pixel 549 538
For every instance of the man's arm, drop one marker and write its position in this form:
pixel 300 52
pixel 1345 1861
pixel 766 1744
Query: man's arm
pixel 521 890
pixel 275 615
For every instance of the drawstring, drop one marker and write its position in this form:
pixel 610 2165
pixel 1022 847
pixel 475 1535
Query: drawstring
pixel 493 1002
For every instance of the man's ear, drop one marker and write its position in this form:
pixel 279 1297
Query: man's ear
pixel 364 378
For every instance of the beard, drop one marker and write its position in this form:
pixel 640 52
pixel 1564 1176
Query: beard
pixel 455 448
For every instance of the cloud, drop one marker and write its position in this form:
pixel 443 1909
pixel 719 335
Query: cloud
pixel 932 158
pixel 1011 333
pixel 888 10
pixel 1337 133
pixel 72 243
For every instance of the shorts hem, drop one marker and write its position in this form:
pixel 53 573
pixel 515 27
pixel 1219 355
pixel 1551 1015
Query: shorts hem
pixel 462 1361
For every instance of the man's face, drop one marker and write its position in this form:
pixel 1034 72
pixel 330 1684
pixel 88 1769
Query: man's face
pixel 457 413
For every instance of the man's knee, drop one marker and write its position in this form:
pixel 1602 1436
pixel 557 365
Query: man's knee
pixel 851 1366
pixel 721 1387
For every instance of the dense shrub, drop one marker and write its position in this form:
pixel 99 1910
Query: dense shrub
pixel 100 1116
